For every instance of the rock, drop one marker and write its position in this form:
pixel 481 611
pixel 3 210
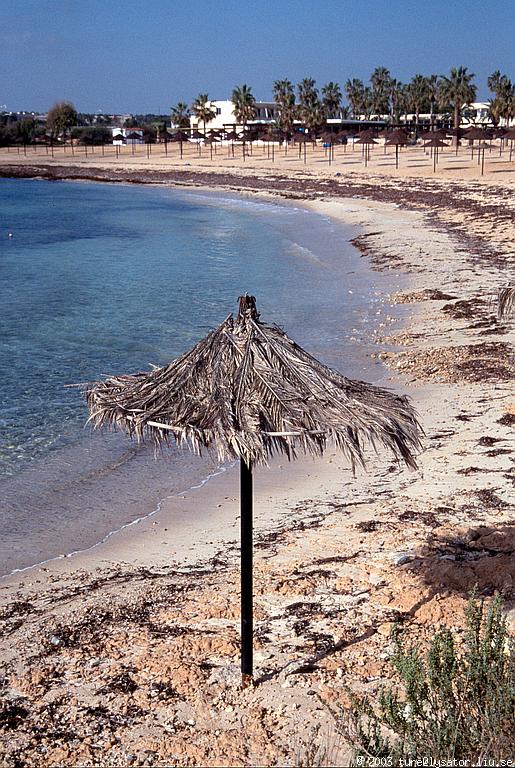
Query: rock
pixel 376 579
pixel 402 558
pixel 386 628
pixel 510 620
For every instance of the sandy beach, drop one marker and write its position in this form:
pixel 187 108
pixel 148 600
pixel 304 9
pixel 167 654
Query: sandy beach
pixel 127 654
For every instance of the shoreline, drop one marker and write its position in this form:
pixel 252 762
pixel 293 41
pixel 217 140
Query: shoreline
pixel 74 544
pixel 354 557
pixel 475 211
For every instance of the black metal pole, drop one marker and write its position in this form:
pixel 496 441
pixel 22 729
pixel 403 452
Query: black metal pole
pixel 247 618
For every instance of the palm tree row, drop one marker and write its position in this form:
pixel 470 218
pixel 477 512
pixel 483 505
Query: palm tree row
pixel 385 96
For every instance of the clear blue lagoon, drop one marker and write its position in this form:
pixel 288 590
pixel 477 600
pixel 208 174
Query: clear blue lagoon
pixel 102 279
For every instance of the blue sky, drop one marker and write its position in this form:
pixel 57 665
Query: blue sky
pixel 144 55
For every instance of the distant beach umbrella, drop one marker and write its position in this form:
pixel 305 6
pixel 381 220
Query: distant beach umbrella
pixel 247 392
pixel 197 136
pixel 210 141
pixel 509 135
pixel 342 137
pixel 396 139
pixel 459 133
pixel 474 134
pixel 180 137
pixel 301 138
pixel 328 140
pixel 435 134
pixel 164 137
pixel 481 154
pixel 232 136
pixel 366 140
pixel 435 144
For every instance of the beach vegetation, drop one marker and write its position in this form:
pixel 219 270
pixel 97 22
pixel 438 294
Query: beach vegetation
pixel 503 103
pixel 457 91
pixel 456 701
pixel 418 93
pixel 399 99
pixel 180 115
pixel 284 97
pixel 380 80
pixel 355 92
pixel 244 104
pixel 203 109
pixel 92 135
pixel 310 109
pixel 61 118
pixel 331 100
pixel 433 91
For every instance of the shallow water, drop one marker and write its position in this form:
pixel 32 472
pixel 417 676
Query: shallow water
pixel 102 279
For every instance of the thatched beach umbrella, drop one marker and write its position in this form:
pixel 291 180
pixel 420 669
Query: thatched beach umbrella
pixel 366 140
pixel 301 138
pixel 509 135
pixel 459 133
pixel 181 137
pixel 435 144
pixel 247 392
pixel 481 154
pixel 474 134
pixel 232 136
pixel 396 139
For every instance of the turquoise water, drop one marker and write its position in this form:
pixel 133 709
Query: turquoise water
pixel 102 279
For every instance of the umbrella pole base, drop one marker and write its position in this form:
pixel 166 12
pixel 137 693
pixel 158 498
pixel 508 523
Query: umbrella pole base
pixel 247 681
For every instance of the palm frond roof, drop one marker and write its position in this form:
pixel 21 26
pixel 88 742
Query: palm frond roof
pixel 248 390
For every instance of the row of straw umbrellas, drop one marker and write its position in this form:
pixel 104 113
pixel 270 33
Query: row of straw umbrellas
pixel 434 140
pixel 479 140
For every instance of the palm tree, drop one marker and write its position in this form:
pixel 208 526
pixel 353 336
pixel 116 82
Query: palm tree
pixel 244 104
pixel 368 102
pixel 331 99
pixel 497 82
pixel 380 80
pixel 180 115
pixel 433 90
pixel 284 97
pixel 397 94
pixel 244 107
pixel 457 91
pixel 310 107
pixel 503 104
pixel 418 95
pixel 355 90
pixel 203 109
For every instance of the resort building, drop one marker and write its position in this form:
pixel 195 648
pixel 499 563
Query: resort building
pixel 127 136
pixel 266 113
pixel 477 113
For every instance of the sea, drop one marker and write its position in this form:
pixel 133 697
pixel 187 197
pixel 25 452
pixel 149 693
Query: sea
pixel 101 279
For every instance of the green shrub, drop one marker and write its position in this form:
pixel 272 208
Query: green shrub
pixel 454 702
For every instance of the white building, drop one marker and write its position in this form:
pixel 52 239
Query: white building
pixel 123 136
pixel 266 112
